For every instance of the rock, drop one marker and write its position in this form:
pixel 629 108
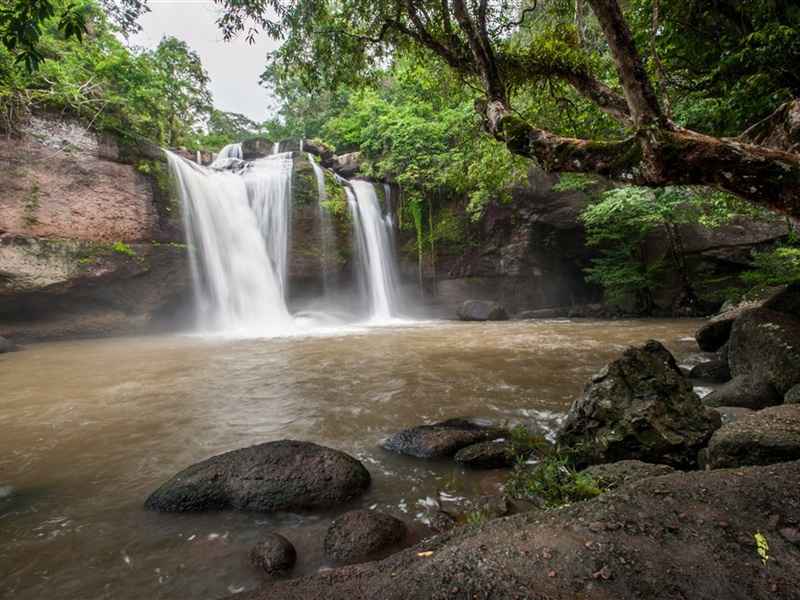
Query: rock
pixel 487 455
pixel 257 147
pixel 440 439
pixel 713 370
pixel 793 395
pixel 482 310
pixel 346 165
pixel 714 334
pixel 274 554
pixel 639 407
pixel 730 414
pixel 491 507
pixel 360 534
pixel 610 476
pixel 786 301
pixel 6 345
pixel 744 392
pixel 686 536
pixel 769 436
pixel 320 149
pixel 284 475
pixel 766 345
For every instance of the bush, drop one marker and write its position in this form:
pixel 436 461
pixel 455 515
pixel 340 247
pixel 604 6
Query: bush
pixel 551 483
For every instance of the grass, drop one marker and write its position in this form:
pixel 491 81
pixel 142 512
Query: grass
pixel 553 482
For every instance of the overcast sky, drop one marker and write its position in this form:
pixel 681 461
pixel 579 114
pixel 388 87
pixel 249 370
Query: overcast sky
pixel 234 66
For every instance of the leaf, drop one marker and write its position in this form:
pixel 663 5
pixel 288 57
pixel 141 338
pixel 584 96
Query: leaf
pixel 762 547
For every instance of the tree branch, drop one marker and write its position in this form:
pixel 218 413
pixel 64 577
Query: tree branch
pixel 639 93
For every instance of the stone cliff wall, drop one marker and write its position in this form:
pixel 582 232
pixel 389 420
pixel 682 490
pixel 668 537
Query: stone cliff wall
pixel 90 237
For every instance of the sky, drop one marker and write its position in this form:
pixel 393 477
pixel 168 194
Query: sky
pixel 234 67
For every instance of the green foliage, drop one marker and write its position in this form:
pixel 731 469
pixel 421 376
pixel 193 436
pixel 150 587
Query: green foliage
pixel 159 95
pixel 123 248
pixel 778 266
pixel 568 182
pixel 553 482
pixel 524 443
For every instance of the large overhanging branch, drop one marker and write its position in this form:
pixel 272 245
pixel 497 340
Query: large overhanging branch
pixel 636 85
pixel 658 157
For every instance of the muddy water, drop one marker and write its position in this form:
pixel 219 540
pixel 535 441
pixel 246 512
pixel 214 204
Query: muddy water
pixel 89 428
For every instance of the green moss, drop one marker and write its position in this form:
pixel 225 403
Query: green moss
pixel 164 192
pixel 122 248
pixel 553 482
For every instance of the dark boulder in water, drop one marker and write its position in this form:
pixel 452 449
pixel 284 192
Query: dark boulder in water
pixel 274 554
pixel 640 407
pixel 487 455
pixel 440 439
pixel 284 475
pixel 482 310
pixel 716 371
pixel 6 345
pixel 361 534
pixel 744 391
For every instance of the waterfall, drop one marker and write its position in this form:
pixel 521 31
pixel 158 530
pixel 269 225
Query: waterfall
pixel 238 222
pixel 226 155
pixel 238 282
pixel 374 244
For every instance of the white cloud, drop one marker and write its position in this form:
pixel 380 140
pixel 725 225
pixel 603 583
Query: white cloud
pixel 234 67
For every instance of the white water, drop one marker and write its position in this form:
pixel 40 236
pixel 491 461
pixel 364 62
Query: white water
pixel 237 288
pixel 374 235
pixel 226 155
pixel 327 235
pixel 238 228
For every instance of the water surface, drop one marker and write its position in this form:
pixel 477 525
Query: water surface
pixel 90 428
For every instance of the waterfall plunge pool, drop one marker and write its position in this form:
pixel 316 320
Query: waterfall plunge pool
pixel 91 427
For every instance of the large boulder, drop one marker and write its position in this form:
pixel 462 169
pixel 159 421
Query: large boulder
pixel 361 534
pixel 765 345
pixel 684 536
pixel 639 407
pixel 496 454
pixel 482 310
pixel 713 335
pixel 274 554
pixel 440 439
pixel 746 392
pixel 610 476
pixel 730 414
pixel 284 475
pixel 793 395
pixel 712 370
pixel 769 436
pixel 786 301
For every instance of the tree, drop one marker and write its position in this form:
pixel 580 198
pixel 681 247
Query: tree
pixel 502 48
pixel 22 21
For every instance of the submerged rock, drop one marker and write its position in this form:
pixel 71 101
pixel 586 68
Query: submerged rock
pixel 686 536
pixel 6 345
pixel 284 475
pixel 765 345
pixel 745 392
pixel 639 406
pixel 482 310
pixel 360 534
pixel 274 554
pixel 487 455
pixel 610 476
pixel 766 437
pixel 440 439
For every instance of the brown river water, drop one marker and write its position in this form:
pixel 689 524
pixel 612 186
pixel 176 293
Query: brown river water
pixel 89 428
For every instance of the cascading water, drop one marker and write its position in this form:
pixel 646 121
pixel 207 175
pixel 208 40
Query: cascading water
pixel 226 215
pixel 238 219
pixel 374 238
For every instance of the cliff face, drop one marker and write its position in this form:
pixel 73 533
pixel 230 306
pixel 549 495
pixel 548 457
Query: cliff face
pixel 531 254
pixel 90 238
